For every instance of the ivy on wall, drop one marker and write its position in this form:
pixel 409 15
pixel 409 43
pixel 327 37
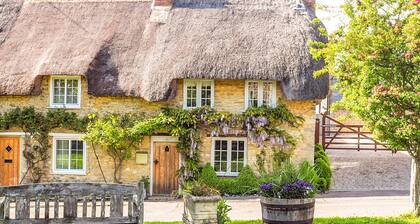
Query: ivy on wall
pixel 37 126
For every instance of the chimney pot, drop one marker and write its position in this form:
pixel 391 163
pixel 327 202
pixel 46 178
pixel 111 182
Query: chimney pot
pixel 165 3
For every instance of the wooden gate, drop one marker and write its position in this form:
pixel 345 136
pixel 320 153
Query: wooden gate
pixel 166 165
pixel 9 161
pixel 335 135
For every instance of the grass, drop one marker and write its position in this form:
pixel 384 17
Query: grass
pixel 404 219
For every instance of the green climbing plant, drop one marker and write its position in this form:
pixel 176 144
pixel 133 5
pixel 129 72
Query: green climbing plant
pixel 113 133
pixel 37 126
pixel 264 126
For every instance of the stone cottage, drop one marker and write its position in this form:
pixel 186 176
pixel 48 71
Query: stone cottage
pixel 124 56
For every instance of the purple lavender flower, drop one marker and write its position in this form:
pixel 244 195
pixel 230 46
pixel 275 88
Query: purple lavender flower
pixel 297 189
pixel 266 187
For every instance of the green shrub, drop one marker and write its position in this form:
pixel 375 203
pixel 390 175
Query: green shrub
pixel 209 176
pixel 227 185
pixel 323 168
pixel 245 183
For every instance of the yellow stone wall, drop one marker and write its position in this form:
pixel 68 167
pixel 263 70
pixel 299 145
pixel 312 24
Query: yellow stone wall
pixel 229 96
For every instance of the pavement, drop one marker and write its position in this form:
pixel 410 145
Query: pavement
pixel 342 204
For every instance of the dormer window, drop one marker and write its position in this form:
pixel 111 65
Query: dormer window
pixel 65 92
pixel 260 93
pixel 198 93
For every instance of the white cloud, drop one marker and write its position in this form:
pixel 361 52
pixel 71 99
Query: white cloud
pixel 331 13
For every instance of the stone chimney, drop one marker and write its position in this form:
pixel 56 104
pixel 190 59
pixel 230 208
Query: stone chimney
pixel 161 10
pixel 163 3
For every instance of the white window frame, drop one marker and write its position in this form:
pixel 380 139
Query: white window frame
pixel 68 137
pixel 229 154
pixel 261 92
pixel 65 105
pixel 199 85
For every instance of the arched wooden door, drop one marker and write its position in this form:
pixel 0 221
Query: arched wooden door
pixel 9 161
pixel 165 166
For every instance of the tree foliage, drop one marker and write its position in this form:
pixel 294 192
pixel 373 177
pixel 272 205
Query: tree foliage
pixel 376 60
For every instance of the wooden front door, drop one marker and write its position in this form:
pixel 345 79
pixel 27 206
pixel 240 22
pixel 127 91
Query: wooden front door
pixel 9 161
pixel 166 165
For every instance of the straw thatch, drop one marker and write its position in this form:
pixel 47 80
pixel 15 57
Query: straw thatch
pixel 121 51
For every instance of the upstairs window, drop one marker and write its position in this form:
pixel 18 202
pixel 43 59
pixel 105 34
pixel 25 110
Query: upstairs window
pixel 229 156
pixel 260 93
pixel 198 93
pixel 65 92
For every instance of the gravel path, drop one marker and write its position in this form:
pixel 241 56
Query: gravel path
pixel 370 171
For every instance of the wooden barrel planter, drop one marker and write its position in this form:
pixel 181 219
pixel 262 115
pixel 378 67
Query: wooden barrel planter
pixel 287 211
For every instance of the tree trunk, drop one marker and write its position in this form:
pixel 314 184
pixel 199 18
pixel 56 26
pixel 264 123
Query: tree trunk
pixel 117 170
pixel 415 186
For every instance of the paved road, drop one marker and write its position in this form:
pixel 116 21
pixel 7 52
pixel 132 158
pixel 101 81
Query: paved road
pixel 325 207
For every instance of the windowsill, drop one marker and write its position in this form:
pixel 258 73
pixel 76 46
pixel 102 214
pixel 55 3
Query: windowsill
pixel 69 172
pixel 76 107
pixel 192 108
pixel 219 174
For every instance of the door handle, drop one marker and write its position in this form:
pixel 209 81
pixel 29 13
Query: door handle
pixel 156 161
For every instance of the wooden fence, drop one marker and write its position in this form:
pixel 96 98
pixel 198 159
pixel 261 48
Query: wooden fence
pixel 335 135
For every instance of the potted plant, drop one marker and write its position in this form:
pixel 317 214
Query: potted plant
pixel 200 203
pixel 289 196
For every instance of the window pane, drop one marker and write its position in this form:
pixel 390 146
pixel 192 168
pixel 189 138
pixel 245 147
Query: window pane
pixel 72 91
pixel 58 91
pixel 267 94
pixel 76 155
pixel 253 94
pixel 234 167
pixel 62 154
pixel 191 95
pixel 220 156
pixel 241 146
pixel 206 94
pixel 223 167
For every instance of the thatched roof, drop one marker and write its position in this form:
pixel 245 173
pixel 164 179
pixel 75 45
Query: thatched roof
pixel 121 51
